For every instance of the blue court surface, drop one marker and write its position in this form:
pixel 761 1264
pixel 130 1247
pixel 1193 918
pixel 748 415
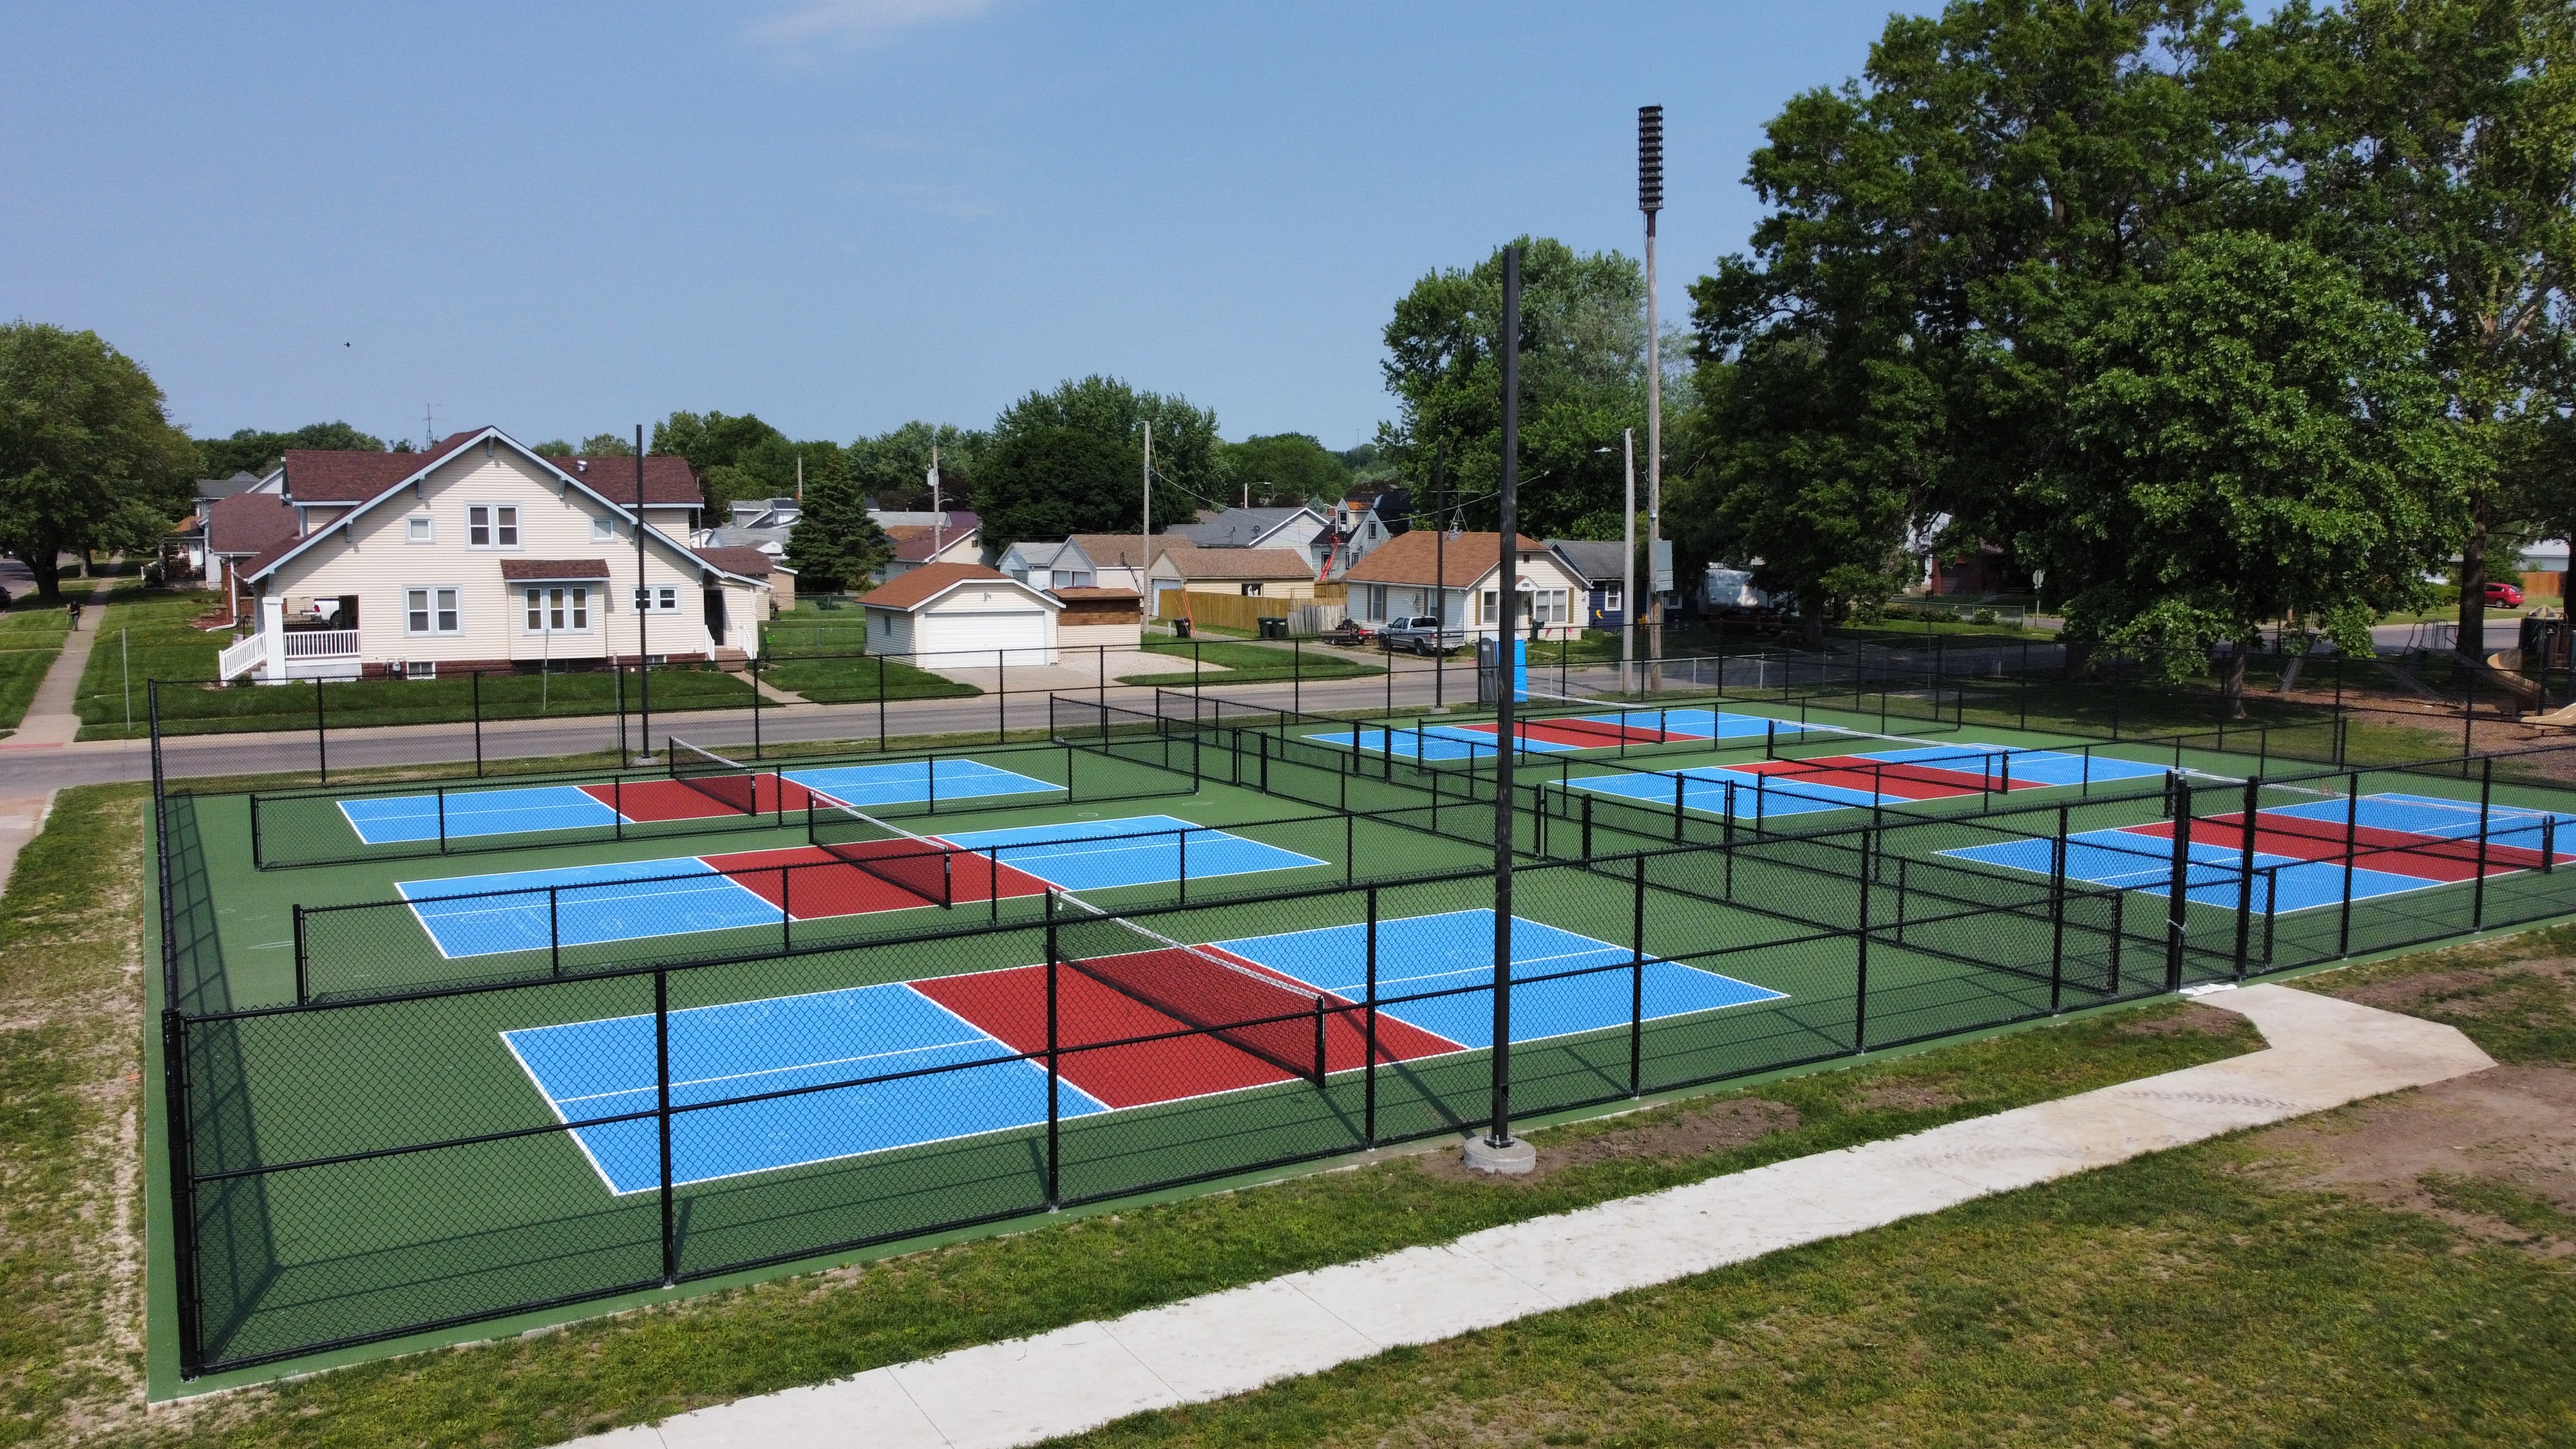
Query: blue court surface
pixel 527 809
pixel 1087 855
pixel 2145 863
pixel 1430 743
pixel 1704 724
pixel 2434 816
pixel 1455 952
pixel 392 819
pixel 1709 790
pixel 592 1069
pixel 1755 794
pixel 2023 766
pixel 900 782
pixel 584 905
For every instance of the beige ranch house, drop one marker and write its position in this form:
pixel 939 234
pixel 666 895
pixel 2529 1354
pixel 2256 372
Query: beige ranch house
pixel 1417 574
pixel 479 554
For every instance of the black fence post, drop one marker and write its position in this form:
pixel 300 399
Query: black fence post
pixel 2175 899
pixel 303 986
pixel 662 1112
pixel 2057 916
pixel 476 676
pixel 2245 874
pixel 755 702
pixel 1053 1048
pixel 321 736
pixel 1636 972
pixel 1184 835
pixel 1860 946
pixel 1001 699
pixel 183 1195
pixel 1368 1067
pixel 554 930
pixel 881 725
pixel 2486 799
pixel 2351 850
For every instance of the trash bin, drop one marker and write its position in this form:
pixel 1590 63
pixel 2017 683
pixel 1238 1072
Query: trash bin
pixel 1274 628
pixel 1180 628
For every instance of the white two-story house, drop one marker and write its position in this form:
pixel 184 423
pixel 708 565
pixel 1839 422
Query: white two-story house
pixel 479 554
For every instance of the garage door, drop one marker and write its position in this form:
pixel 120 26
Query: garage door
pixel 1022 632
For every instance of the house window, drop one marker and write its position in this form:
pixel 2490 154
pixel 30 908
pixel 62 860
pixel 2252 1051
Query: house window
pixel 432 611
pixel 603 529
pixel 1489 613
pixel 420 669
pixel 1252 591
pixel 558 609
pixel 1552 606
pixel 1377 601
pixel 492 525
pixel 657 601
pixel 420 528
pixel 1610 601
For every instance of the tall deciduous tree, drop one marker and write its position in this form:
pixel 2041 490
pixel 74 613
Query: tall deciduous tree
pixel 251 451
pixel 1071 460
pixel 2433 146
pixel 1583 380
pixel 1287 467
pixel 2255 438
pixel 894 466
pixel 88 458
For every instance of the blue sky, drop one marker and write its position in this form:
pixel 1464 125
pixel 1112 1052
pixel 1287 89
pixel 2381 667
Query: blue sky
pixel 839 214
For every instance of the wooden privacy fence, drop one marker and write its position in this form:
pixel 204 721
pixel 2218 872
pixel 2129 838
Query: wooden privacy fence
pixel 1238 611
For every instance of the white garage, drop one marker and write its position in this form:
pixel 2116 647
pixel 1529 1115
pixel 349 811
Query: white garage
pixel 961 616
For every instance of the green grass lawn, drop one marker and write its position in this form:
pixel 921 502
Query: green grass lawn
pixel 1250 663
pixel 852 678
pixel 158 642
pixel 31 636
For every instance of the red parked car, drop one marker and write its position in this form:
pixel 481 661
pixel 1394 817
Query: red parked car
pixel 2504 595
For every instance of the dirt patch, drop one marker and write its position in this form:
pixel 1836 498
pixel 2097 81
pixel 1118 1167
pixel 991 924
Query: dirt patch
pixel 2191 1019
pixel 1694 1130
pixel 2470 991
pixel 2512 1127
pixel 1904 1096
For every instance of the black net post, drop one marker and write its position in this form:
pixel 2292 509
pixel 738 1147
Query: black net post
pixel 1054 1046
pixel 662 1115
pixel 1636 971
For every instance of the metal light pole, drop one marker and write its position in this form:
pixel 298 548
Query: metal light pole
pixel 643 606
pixel 1650 200
pixel 1497 1151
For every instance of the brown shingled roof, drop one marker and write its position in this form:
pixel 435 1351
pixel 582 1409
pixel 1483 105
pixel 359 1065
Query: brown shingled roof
pixel 911 590
pixel 1118 550
pixel 1416 557
pixel 319 475
pixel 1237 563
pixel 552 570
pixel 750 563
pixel 913 542
pixel 246 523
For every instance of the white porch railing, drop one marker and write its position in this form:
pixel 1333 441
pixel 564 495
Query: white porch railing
pixel 241 657
pixel 321 643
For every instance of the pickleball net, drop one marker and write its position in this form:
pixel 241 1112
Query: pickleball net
pixel 1275 1020
pixel 912 863
pixel 729 783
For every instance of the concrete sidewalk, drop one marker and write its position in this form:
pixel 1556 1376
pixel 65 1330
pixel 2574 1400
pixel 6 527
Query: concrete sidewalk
pixel 52 719
pixel 2323 1053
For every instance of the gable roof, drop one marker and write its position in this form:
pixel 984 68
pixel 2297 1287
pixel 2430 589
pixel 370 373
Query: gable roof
pixel 1239 527
pixel 423 463
pixel 1238 563
pixel 1118 550
pixel 1419 558
pixel 248 523
pixel 915 542
pixel 1043 553
pixel 316 475
pixel 910 591
pixel 749 563
pixel 1595 562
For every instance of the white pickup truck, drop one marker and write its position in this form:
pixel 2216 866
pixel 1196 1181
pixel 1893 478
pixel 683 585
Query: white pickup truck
pixel 1420 634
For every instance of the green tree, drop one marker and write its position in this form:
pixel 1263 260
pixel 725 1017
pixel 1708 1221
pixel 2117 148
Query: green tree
pixel 734 457
pixel 2433 146
pixel 834 547
pixel 607 445
pixel 88 458
pixel 1048 481
pixel 1286 468
pixel 2256 439
pixel 553 448
pixel 1046 470
pixel 894 467
pixel 252 451
pixel 1583 380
